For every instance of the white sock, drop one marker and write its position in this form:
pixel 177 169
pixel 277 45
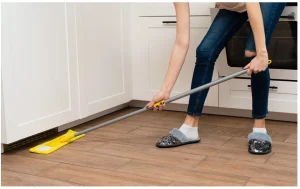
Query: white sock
pixel 260 130
pixel 190 132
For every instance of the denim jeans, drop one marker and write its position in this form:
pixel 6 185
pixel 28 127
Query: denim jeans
pixel 224 26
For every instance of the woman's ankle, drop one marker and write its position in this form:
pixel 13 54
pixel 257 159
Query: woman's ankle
pixel 191 120
pixel 259 123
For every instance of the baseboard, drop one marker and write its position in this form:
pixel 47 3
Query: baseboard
pixel 221 111
pixel 94 116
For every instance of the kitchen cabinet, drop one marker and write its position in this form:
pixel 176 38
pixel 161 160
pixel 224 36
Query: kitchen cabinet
pixel 61 62
pixel 153 42
pixel 38 68
pixel 103 56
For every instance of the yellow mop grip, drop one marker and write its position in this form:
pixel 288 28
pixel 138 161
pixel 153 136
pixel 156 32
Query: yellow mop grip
pixel 269 61
pixel 158 103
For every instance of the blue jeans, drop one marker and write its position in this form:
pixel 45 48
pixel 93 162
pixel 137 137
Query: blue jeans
pixel 224 26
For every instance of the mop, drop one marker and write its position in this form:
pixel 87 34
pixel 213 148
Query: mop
pixel 70 136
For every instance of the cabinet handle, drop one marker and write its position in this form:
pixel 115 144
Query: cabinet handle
pixel 169 22
pixel 271 87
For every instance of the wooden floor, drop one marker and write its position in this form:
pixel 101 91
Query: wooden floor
pixel 124 154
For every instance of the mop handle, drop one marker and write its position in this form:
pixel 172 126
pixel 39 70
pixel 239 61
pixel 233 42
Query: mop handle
pixel 166 101
pixel 202 87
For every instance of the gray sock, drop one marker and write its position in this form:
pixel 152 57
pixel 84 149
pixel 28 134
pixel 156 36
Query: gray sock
pixel 190 132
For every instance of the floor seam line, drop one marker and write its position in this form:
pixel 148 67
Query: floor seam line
pixel 48 168
pixel 41 177
pixel 269 158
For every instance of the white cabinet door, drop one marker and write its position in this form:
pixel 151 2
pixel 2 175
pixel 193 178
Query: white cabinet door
pixel 103 62
pixel 152 48
pixel 236 93
pixel 38 68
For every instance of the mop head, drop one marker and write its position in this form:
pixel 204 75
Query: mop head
pixel 52 145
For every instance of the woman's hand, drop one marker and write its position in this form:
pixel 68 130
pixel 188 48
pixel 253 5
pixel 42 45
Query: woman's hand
pixel 260 62
pixel 162 95
pixel 257 64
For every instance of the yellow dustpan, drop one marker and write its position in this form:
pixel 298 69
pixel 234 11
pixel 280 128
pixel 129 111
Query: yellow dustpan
pixel 52 145
pixel 70 136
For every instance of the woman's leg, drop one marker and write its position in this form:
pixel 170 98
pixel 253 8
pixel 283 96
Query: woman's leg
pixel 260 82
pixel 259 141
pixel 224 26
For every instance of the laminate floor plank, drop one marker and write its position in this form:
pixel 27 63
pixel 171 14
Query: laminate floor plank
pixel 10 178
pixel 292 138
pixel 82 158
pixel 150 154
pixel 283 159
pixel 249 169
pixel 97 177
pixel 191 176
pixel 268 182
pixel 27 165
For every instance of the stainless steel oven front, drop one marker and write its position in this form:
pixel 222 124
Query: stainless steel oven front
pixel 282 49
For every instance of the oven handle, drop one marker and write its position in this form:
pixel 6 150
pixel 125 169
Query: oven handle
pixel 271 87
pixel 288 16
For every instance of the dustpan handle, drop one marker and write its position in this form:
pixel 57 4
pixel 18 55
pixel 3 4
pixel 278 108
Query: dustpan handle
pixel 202 87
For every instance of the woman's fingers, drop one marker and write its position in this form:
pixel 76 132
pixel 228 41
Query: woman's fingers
pixel 249 72
pixel 247 66
pixel 160 107
pixel 150 104
pixel 255 71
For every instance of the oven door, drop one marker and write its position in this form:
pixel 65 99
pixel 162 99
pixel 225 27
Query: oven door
pixel 282 49
pixel 226 68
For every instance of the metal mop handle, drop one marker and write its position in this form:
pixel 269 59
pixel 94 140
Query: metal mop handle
pixel 166 101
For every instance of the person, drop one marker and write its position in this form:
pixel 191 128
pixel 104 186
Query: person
pixel 263 18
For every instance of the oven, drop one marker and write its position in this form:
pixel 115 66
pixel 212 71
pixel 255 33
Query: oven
pixel 282 49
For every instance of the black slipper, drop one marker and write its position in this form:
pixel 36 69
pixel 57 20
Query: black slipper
pixel 174 138
pixel 259 143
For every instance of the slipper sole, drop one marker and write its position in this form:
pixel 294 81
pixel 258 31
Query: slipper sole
pixel 181 144
pixel 259 153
